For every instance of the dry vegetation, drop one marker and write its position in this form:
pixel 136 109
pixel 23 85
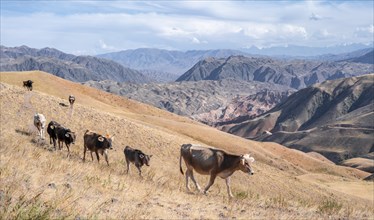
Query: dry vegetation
pixel 38 182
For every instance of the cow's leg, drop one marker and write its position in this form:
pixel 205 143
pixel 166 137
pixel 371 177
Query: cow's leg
pixel 91 155
pixel 67 145
pixel 97 156
pixel 140 172
pixel 211 181
pixel 106 156
pixel 84 153
pixel 228 180
pixel 187 176
pixel 194 180
pixel 128 165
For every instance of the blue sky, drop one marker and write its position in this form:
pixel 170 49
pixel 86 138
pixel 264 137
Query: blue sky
pixel 94 27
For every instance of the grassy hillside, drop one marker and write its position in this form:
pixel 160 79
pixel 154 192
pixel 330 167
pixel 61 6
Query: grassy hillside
pixel 36 181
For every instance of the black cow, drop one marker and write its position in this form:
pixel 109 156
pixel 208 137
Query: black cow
pixel 97 143
pixel 137 157
pixel 65 135
pixel 28 84
pixel 52 133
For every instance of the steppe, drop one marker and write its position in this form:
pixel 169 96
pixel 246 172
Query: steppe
pixel 40 183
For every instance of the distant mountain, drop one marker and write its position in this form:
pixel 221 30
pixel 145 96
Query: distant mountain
pixel 334 118
pixel 365 58
pixel 190 98
pixel 293 73
pixel 297 51
pixel 67 66
pixel 167 62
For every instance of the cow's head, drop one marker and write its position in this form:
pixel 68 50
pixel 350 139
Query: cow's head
pixel 70 137
pixel 106 142
pixel 145 158
pixel 245 164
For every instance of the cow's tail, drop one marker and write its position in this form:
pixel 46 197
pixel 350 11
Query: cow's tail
pixel 180 162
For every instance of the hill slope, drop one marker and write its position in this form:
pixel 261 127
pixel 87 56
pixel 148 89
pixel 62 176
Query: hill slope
pixel 295 73
pixel 37 181
pixel 67 66
pixel 336 116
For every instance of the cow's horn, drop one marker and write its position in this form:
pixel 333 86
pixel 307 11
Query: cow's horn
pixel 66 135
pixel 101 139
pixel 52 127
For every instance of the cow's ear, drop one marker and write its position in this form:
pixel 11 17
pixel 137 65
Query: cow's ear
pixel 52 127
pixel 100 138
pixel 242 161
pixel 150 156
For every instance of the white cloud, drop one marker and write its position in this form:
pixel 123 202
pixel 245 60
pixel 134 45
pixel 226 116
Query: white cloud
pixel 101 26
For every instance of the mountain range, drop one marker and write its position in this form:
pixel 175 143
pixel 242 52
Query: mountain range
pixel 296 74
pixel 168 65
pixel 67 66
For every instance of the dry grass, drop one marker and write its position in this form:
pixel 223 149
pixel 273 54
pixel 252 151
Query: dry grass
pixel 38 182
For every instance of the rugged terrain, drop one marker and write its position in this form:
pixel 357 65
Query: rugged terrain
pixel 336 120
pixel 67 66
pixel 208 101
pixel 38 182
pixel 296 74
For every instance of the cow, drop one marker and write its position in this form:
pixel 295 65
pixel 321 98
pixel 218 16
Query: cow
pixel 137 157
pixel 39 122
pixel 71 100
pixel 52 132
pixel 213 162
pixel 97 143
pixel 65 135
pixel 28 84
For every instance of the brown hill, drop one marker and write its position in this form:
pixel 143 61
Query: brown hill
pixel 38 182
pixel 331 118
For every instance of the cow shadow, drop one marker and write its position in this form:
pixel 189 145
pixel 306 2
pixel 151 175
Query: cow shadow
pixel 23 132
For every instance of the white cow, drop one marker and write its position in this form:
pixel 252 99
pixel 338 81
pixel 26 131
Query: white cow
pixel 39 122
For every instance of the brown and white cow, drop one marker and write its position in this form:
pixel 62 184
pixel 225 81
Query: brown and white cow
pixel 39 122
pixel 97 143
pixel 213 162
pixel 137 157
pixel 71 100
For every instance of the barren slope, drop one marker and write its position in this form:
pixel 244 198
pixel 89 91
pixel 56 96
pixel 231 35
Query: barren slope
pixel 43 182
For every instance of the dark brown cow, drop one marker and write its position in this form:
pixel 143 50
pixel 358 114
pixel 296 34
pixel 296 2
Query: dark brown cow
pixel 65 135
pixel 97 143
pixel 28 84
pixel 137 157
pixel 213 162
pixel 52 133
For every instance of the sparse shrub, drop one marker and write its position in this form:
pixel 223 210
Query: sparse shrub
pixel 278 201
pixel 241 195
pixel 329 207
